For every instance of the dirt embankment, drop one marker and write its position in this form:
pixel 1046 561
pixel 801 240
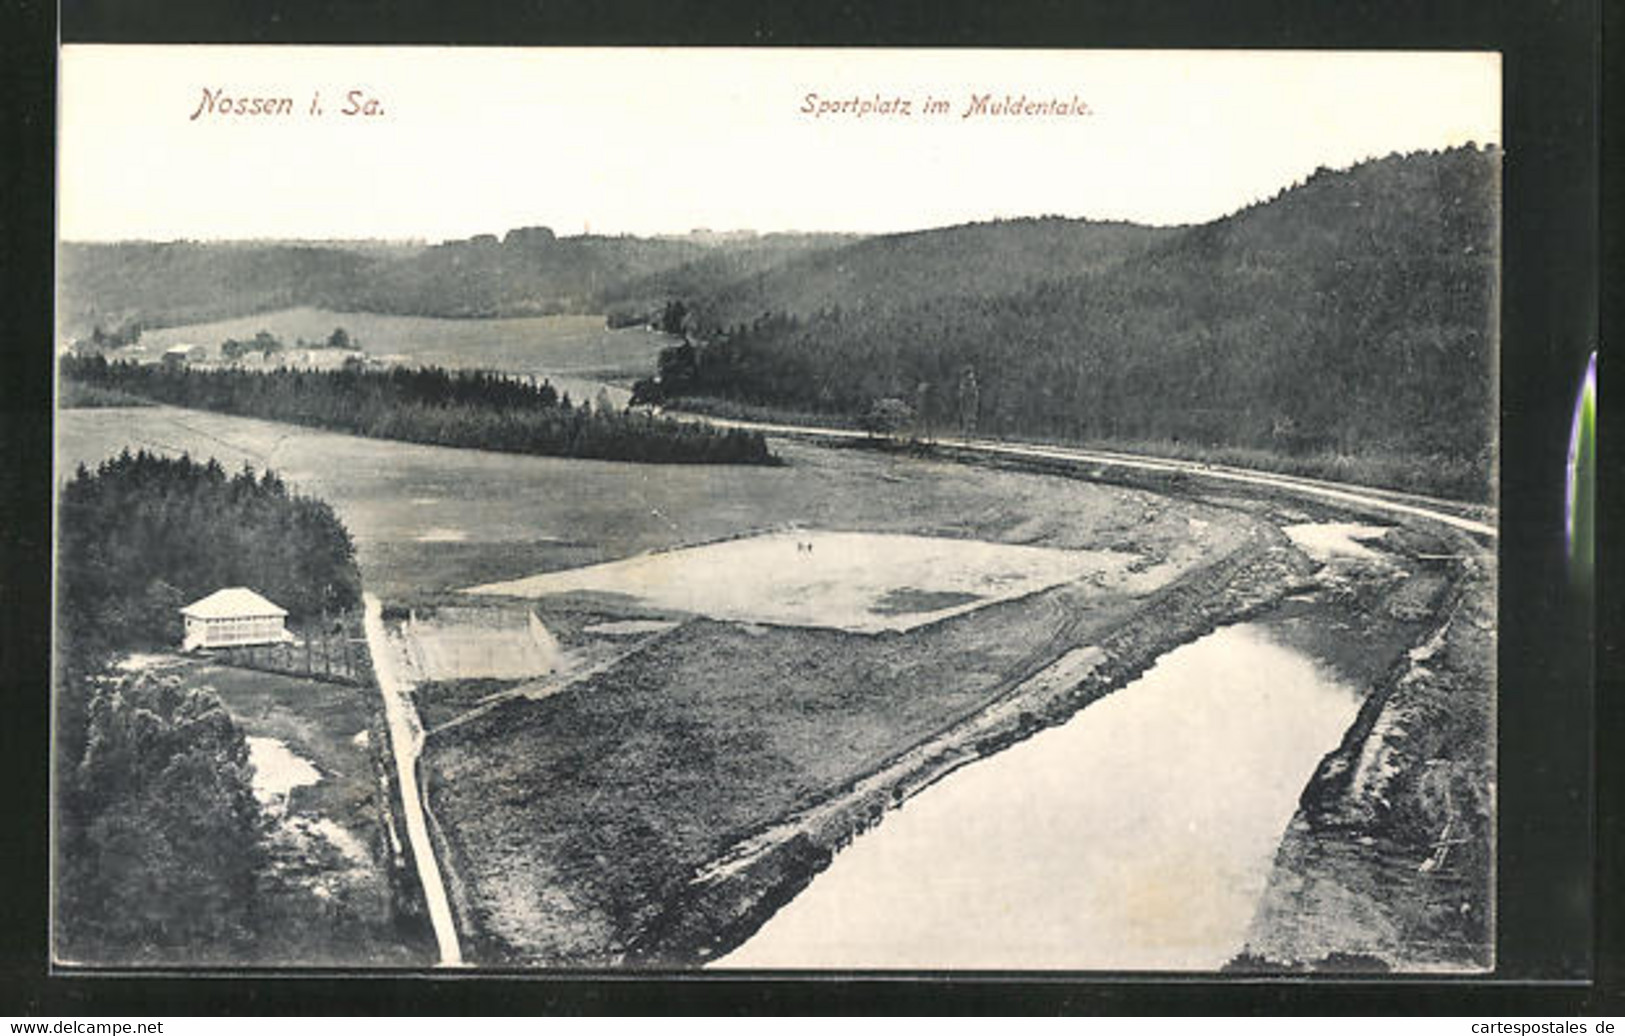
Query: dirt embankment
pixel 1387 863
pixel 727 900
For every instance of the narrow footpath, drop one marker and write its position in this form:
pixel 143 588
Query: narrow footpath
pixel 406 740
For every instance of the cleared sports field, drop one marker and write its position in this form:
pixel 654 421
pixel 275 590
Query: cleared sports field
pixel 857 581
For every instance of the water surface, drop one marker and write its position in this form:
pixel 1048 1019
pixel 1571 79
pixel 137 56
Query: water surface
pixel 277 769
pixel 1138 835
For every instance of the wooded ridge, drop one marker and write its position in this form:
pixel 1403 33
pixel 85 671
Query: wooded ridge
pixel 1353 315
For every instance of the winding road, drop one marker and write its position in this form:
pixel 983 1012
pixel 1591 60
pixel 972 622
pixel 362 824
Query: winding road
pixel 1445 512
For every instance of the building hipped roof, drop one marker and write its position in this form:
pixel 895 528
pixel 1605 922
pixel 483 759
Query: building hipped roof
pixel 236 602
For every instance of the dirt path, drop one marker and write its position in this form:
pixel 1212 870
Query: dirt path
pixel 1386 501
pixel 406 739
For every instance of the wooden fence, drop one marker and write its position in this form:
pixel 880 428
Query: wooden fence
pixel 334 656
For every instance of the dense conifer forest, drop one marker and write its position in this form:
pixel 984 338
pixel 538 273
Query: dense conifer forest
pixel 157 827
pixel 1352 315
pixel 429 405
pixel 159 847
pixel 144 534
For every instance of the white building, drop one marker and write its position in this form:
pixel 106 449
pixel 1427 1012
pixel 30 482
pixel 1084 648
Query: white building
pixel 231 618
pixel 183 354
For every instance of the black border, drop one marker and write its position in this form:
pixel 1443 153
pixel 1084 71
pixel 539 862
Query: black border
pixel 1549 717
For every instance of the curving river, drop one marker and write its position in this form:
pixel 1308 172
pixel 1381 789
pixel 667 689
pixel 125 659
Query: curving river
pixel 1136 836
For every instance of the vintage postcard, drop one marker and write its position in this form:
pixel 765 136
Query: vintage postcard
pixel 799 509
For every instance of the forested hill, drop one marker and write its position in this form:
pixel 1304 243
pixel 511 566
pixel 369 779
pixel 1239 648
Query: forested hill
pixel 900 270
pixel 532 272
pixel 148 284
pixel 738 259
pixel 528 271
pixel 1352 316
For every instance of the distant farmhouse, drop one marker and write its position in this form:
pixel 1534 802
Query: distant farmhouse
pixel 232 618
pixel 180 355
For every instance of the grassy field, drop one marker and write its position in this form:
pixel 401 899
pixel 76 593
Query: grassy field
pixel 76 395
pixel 586 641
pixel 572 819
pixel 330 898
pixel 317 721
pixel 557 345
pixel 427 520
pixel 569 818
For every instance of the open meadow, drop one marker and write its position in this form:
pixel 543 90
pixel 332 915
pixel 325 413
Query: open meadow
pixel 428 520
pixel 574 351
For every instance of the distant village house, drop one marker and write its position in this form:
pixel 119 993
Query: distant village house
pixel 180 355
pixel 233 617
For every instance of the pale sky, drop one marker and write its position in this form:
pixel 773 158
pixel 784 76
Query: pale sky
pixel 664 140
